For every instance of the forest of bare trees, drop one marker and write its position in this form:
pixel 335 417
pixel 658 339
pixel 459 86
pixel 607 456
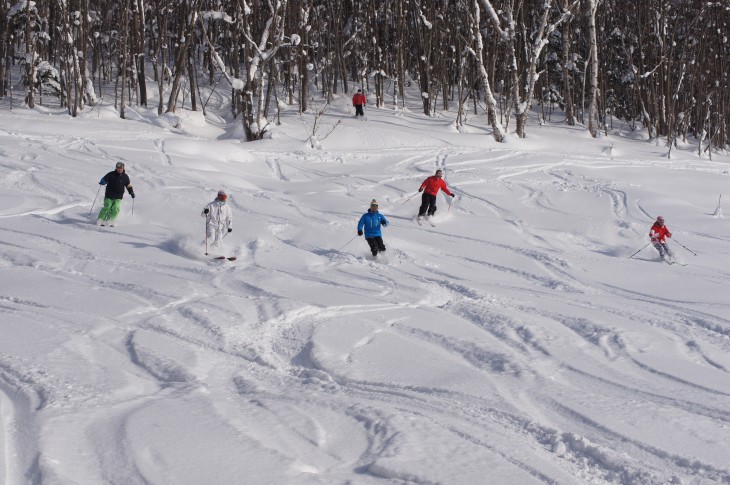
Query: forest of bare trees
pixel 656 65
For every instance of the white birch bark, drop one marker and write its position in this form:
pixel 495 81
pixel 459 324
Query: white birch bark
pixel 522 94
pixel 592 6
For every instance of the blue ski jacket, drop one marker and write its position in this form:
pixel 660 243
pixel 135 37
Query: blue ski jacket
pixel 371 222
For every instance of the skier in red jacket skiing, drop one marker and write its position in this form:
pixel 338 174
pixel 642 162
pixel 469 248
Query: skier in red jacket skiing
pixel 657 234
pixel 430 188
pixel 359 101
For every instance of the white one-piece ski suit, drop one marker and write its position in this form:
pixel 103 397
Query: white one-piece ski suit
pixel 219 220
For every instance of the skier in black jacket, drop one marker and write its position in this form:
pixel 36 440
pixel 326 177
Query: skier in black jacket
pixel 115 182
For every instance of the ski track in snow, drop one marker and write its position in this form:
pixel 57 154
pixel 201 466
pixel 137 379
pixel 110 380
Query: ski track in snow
pixel 514 340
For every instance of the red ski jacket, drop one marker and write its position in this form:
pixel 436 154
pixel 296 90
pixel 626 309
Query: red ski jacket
pixel 359 98
pixel 658 233
pixel 432 185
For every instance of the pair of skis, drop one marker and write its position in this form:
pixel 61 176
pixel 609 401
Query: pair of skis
pixel 428 219
pixel 229 258
pixel 670 261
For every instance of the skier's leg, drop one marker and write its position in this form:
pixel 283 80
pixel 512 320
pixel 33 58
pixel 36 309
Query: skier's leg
pixel 667 251
pixel 104 213
pixel 432 205
pixel 115 208
pixel 373 245
pixel 381 246
pixel 210 229
pixel 659 248
pixel 425 202
pixel 217 235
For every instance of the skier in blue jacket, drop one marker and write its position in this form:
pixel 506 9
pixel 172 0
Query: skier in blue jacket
pixel 371 222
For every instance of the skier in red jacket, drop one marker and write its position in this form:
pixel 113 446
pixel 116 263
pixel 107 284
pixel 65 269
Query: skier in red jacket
pixel 430 188
pixel 657 234
pixel 359 101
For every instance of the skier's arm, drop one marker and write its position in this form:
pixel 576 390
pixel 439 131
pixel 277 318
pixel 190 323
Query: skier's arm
pixel 361 223
pixel 205 211
pixel 130 189
pixel 384 221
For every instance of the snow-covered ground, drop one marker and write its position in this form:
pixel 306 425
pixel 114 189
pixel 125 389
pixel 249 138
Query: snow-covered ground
pixel 513 343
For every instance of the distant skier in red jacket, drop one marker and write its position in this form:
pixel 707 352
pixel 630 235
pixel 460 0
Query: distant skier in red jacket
pixel 430 188
pixel 657 234
pixel 359 101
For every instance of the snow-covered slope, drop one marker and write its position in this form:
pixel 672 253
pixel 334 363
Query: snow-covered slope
pixel 513 343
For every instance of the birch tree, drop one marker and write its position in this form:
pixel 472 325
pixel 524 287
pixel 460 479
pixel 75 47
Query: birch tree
pixel 259 49
pixel 187 22
pixel 505 25
pixel 591 7
pixel 476 36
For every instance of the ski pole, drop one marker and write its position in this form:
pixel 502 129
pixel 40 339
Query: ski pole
pixel 637 252
pixel 685 247
pixel 409 198
pixel 132 206
pixel 92 205
pixel 207 220
pixel 348 242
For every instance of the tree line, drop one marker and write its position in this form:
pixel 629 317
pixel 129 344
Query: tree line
pixel 661 65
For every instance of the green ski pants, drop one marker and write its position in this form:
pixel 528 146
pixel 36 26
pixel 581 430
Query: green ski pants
pixel 111 209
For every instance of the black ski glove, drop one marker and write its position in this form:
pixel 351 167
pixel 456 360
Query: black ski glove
pixel 453 195
pixel 359 233
pixel 230 229
pixel 421 189
pixel 205 211
pixel 383 223
pixel 131 194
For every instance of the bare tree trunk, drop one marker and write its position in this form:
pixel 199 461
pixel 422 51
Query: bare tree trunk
pixel 303 59
pixel 125 49
pixel 192 79
pixel 161 7
pixel 567 76
pixel 591 7
pixel 139 51
pixel 259 52
pixel 522 95
pixel 497 130
pixel 182 56
pixel 89 97
pixel 4 50
pixel 30 48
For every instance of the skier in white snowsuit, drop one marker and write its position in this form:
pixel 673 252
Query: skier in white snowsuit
pixel 219 219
